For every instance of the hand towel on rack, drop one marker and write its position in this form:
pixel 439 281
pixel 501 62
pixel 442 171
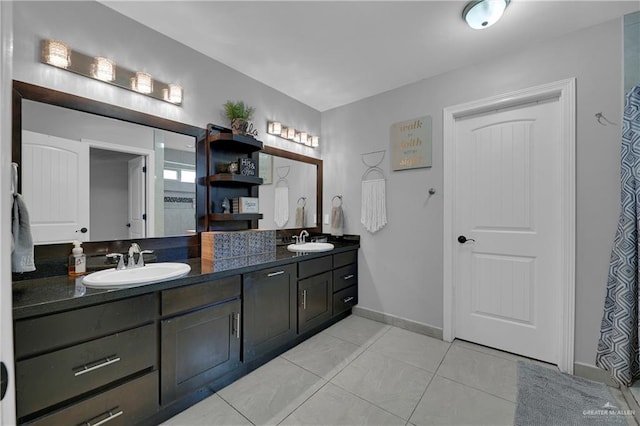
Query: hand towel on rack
pixel 22 242
pixel 337 220
pixel 373 214
pixel 281 208
pixel 300 217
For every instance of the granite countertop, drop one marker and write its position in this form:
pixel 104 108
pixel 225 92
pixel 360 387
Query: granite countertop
pixel 43 296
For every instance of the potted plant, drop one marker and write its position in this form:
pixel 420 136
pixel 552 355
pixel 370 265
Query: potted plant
pixel 238 114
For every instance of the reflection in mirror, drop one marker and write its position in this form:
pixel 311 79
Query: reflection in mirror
pixel 89 177
pixel 288 194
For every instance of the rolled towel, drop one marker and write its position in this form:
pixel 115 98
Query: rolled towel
pixel 22 243
pixel 281 208
pixel 337 221
pixel 373 214
pixel 300 217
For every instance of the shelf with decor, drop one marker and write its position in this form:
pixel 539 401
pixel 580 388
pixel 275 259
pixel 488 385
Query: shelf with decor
pixel 231 162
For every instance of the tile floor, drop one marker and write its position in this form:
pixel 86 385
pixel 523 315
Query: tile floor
pixel 361 372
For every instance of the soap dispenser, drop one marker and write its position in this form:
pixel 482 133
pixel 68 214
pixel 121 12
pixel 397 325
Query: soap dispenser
pixel 77 260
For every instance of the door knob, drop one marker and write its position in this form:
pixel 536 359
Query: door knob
pixel 462 239
pixel 83 230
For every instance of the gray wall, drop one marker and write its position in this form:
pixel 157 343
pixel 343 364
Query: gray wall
pixel 401 266
pixel 631 50
pixel 92 28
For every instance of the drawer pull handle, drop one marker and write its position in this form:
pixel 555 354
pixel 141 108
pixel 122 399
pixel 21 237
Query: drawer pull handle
pixel 304 299
pixel 273 274
pixel 348 277
pixel 110 416
pixel 347 299
pixel 107 361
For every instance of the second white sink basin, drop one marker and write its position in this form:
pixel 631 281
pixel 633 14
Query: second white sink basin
pixel 148 274
pixel 309 247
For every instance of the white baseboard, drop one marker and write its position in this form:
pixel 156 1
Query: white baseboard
pixel 594 373
pixel 407 324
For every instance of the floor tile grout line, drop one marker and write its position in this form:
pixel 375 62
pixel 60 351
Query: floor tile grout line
pixel 235 409
pixel 475 388
pixel 430 381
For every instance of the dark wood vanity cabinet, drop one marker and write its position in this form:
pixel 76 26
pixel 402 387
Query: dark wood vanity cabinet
pixel 315 293
pixel 200 336
pixel 345 281
pixel 77 366
pixel 221 149
pixel 269 297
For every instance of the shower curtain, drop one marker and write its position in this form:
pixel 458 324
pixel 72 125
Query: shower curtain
pixel 619 345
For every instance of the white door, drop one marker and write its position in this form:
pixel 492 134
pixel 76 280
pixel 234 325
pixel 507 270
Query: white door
pixel 55 186
pixel 137 199
pixel 507 198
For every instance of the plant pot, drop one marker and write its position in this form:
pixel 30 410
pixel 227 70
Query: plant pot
pixel 239 126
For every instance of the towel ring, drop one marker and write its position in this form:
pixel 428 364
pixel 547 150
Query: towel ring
pixel 339 197
pixel 304 201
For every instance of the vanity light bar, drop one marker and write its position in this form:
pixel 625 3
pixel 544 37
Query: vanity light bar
pixel 59 55
pixel 290 133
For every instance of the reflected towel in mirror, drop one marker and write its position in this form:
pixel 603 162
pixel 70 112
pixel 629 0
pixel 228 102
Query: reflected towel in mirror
pixel 300 217
pixel 374 211
pixel 281 208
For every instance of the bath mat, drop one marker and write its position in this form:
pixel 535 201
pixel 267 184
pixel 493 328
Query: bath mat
pixel 548 397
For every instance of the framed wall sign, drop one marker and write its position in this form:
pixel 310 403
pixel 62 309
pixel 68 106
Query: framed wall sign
pixel 411 144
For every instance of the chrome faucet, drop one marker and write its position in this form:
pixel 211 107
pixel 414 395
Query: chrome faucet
pixel 135 248
pixel 303 234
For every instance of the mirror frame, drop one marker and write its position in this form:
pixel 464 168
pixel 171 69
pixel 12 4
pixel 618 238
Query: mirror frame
pixel 28 91
pixel 309 160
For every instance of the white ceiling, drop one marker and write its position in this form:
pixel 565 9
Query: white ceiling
pixel 330 53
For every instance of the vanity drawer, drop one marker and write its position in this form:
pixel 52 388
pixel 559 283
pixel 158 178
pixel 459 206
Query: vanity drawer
pixel 193 296
pixel 311 267
pixel 57 376
pixel 345 277
pixel 343 259
pixel 127 404
pixel 38 335
pixel 345 299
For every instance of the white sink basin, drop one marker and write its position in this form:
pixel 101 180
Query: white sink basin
pixel 148 274
pixel 309 247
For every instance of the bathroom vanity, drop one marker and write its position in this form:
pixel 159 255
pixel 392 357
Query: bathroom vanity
pixel 141 355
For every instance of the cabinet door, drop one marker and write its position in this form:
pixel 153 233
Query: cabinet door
pixel 269 299
pixel 198 348
pixel 314 301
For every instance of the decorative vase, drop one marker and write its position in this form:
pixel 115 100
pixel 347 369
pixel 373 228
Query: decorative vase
pixel 239 126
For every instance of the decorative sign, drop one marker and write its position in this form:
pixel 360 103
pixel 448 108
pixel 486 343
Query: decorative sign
pixel 411 144
pixel 247 167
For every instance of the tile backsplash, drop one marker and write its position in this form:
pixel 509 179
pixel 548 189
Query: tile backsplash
pixel 228 250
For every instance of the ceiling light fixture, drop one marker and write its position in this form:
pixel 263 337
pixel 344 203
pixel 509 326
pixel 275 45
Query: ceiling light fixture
pixel 481 14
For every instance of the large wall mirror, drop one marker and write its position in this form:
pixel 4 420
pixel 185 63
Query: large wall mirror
pixel 123 164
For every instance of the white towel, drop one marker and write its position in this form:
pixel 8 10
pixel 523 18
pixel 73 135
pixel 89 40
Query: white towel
pixel 300 217
pixel 374 211
pixel 281 208
pixel 22 242
pixel 337 221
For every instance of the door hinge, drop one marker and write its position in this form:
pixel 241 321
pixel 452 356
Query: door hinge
pixel 144 216
pixel 144 169
pixel 4 380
